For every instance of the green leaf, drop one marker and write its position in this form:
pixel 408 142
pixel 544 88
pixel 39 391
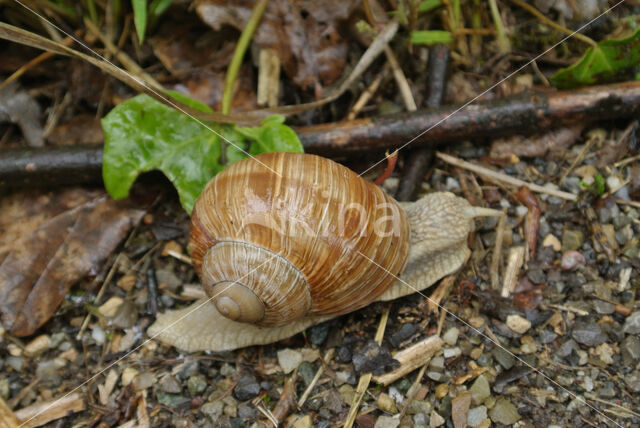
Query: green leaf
pixel 188 101
pixel 601 63
pixel 140 17
pixel 158 7
pixel 431 37
pixel 271 136
pixel 143 134
pixel 428 5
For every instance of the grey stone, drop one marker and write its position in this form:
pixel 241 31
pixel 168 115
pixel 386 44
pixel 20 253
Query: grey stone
pixel 602 307
pixel 504 412
pixel 406 331
pixel 247 388
pixel 172 400
pixel 566 348
pixel 632 323
pixel 476 416
pixel 547 336
pixel 536 276
pixel 630 350
pixel 213 409
pixel 318 333
pixel 589 334
pixel 169 384
pixel 47 371
pixel 633 381
pixel 480 390
pixel 505 359
pixel 307 372
pixel 196 384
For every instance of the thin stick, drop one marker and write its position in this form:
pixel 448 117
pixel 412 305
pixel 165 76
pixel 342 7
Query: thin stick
pixel 47 411
pixel 365 379
pixel 367 94
pixel 504 178
pixel 494 270
pixel 327 357
pixel 401 80
pixel 7 418
pixel 238 53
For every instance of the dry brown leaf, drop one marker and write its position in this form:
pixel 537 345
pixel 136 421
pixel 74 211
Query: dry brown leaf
pixel 81 129
pixel 304 33
pixel 24 212
pixel 42 266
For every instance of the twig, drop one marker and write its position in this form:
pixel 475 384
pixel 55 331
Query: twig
pixel 268 78
pixel 327 357
pixel 569 309
pixel 496 258
pixel 391 164
pixel 239 51
pixel 401 80
pixel 418 160
pixel 501 177
pixel 365 379
pixel 287 401
pixel 367 94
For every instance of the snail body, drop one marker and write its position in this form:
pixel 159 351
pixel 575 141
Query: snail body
pixel 285 240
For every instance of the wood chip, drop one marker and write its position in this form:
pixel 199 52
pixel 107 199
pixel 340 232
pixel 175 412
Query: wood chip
pixel 411 358
pixel 42 413
pixel 516 257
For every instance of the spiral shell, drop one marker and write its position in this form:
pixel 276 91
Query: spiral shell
pixel 286 235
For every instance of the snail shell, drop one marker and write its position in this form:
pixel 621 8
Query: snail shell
pixel 315 239
pixel 285 241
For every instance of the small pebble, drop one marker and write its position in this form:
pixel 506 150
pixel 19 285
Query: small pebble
pixel 552 241
pixel 571 260
pixel 386 404
pixel 480 390
pixel 169 384
pixel 459 409
pixel 476 416
pixel 303 422
pixel 572 239
pixel 632 323
pixel 289 360
pixel 435 420
pixel 589 334
pixel 630 349
pixel 318 333
pixel 504 412
pixel 387 422
pixel 37 346
pixel 450 337
pixel 518 324
pixel 452 352
pixel 196 384
pixel 98 335
pixel 246 388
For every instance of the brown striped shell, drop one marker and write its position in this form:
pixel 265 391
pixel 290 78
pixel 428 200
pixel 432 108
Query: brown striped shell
pixel 284 235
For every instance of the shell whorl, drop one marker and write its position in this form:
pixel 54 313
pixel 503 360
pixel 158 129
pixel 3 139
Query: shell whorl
pixel 314 218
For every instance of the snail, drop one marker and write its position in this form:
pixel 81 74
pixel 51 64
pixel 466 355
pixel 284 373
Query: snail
pixel 285 241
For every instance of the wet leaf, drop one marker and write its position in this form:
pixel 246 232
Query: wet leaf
pixel 601 63
pixel 142 135
pixel 43 265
